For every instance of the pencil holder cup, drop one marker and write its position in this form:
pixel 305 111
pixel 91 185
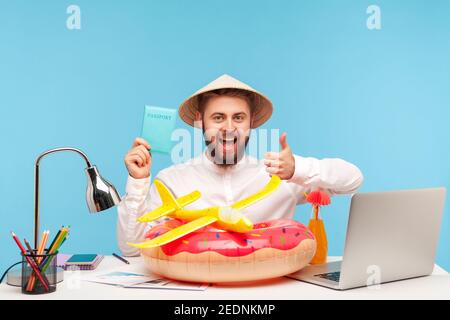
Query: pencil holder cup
pixel 39 272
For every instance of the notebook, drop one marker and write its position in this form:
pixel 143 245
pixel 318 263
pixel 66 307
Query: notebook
pixel 79 261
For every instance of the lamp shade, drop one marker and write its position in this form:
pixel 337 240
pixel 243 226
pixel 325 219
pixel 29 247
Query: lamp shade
pixel 100 194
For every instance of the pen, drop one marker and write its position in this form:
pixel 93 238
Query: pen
pixel 120 258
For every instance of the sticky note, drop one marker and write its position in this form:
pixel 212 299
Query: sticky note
pixel 157 127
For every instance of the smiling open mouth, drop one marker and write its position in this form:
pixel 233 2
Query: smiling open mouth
pixel 228 144
pixel 231 140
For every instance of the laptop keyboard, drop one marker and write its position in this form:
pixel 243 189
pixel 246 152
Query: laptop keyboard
pixel 332 276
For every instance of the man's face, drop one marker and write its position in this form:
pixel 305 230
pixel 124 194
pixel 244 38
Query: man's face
pixel 226 126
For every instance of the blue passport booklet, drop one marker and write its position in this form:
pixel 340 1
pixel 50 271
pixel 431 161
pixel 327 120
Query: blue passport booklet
pixel 157 127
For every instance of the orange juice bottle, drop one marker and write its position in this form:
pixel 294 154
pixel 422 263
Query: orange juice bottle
pixel 318 229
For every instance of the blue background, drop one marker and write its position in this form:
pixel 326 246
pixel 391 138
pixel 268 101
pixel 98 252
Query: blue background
pixel 377 98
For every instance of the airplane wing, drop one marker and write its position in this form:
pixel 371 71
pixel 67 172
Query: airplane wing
pixel 273 184
pixel 157 213
pixel 189 198
pixel 175 233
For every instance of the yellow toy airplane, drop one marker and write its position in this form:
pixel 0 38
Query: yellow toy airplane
pixel 226 218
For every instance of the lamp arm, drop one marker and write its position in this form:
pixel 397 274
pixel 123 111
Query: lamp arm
pixel 36 184
pixel 43 154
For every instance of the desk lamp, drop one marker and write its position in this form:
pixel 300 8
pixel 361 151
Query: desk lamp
pixel 100 195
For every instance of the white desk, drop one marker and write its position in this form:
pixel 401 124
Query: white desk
pixel 436 286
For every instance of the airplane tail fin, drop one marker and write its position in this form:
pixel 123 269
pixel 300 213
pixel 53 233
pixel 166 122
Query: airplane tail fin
pixel 166 196
pixel 169 203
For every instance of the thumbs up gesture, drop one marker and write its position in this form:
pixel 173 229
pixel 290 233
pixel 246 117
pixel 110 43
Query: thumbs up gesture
pixel 281 163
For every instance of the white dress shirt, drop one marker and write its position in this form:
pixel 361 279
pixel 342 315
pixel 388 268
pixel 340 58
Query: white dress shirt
pixel 224 186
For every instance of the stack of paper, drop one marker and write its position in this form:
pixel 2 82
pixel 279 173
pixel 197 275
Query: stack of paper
pixel 141 281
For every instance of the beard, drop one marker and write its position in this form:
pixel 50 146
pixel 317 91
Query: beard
pixel 226 151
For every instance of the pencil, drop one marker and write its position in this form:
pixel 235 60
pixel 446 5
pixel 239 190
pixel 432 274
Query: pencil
pixel 55 247
pixel 61 239
pixel 42 244
pixel 28 246
pixel 31 278
pixel 30 249
pixel 51 246
pixel 31 262
pixel 51 249
pixel 40 251
pixel 54 239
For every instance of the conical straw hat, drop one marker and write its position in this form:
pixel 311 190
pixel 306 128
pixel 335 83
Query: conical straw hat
pixel 262 105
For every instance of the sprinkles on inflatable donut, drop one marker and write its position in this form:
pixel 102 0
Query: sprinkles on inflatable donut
pixel 272 249
pixel 220 244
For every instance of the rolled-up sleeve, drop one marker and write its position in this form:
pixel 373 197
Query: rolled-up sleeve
pixel 133 204
pixel 334 175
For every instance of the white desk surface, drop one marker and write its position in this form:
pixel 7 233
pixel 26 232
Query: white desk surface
pixel 435 286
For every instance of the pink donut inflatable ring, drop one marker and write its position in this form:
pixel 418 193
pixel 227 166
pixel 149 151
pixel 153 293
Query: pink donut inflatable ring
pixel 209 255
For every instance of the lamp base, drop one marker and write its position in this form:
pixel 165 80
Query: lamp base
pixel 14 277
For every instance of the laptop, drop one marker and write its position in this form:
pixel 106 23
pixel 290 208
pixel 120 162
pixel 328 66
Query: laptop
pixel 391 236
